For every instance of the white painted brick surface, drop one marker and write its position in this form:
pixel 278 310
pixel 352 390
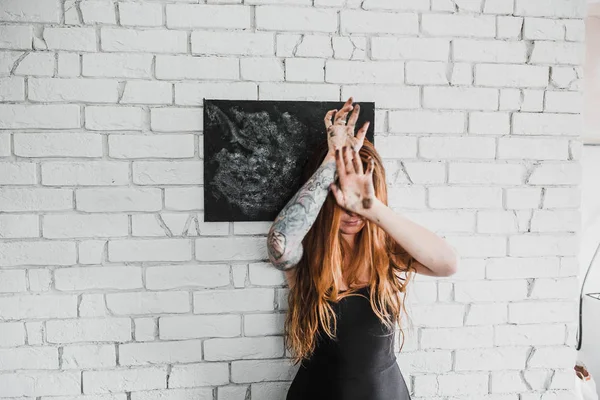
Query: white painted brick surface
pixel 113 283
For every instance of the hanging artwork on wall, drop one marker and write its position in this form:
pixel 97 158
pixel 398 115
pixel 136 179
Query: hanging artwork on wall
pixel 254 153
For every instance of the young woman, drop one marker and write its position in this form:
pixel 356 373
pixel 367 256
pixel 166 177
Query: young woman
pixel 348 258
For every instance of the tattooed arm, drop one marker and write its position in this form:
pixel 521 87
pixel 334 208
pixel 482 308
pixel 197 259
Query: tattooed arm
pixel 296 218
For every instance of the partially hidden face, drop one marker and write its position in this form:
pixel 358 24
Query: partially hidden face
pixel 351 223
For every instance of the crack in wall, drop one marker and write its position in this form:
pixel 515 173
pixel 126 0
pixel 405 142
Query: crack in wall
pixel 18 61
pixel 450 63
pixel 163 225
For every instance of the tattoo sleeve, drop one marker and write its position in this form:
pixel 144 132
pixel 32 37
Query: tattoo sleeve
pixel 293 222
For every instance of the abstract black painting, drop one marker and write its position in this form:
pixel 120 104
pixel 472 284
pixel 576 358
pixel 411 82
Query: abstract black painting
pixel 254 153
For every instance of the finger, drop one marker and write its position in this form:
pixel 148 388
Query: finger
pixel 354 117
pixel 340 117
pixel 362 132
pixel 348 160
pixel 339 163
pixel 358 167
pixel 370 166
pixel 328 117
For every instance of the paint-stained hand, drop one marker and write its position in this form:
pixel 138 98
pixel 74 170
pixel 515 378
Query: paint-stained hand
pixel 341 132
pixel 354 189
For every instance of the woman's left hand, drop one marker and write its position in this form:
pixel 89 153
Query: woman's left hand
pixel 354 190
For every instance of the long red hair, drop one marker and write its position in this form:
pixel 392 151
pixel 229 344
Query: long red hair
pixel 319 274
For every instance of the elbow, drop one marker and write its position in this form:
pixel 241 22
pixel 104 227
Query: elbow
pixel 451 263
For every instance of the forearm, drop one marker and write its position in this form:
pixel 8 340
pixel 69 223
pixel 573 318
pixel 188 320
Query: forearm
pixel 429 249
pixel 284 242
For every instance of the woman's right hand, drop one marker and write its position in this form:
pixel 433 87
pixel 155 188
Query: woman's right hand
pixel 340 133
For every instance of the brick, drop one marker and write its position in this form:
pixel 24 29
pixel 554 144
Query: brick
pixel 125 379
pixel 411 197
pixel 149 250
pixel 411 5
pixel 230 248
pixel 478 246
pixel 563 102
pixel 23 11
pixel 457 338
pixel 491 291
pixel 498 7
pixel 98 12
pixel 523 198
pixel 456 25
pixel 117 65
pixel 21 173
pixel 35 199
pixel 394 146
pixel 152 40
pixel 498 222
pixel 307 45
pixel 349 47
pixel 397 48
pixel 72 39
pixel 426 73
pixel 491 51
pixel 13 254
pixel 5 144
pixel 486 173
pixel 263 324
pixel 88 356
pixel 103 277
pixel 91 251
pixel 521 267
pixel 386 96
pixel 489 123
pixel 37 64
pixel 73 226
pixel 189 198
pixel 263 274
pixel 542 245
pixel 118 199
pixel 540 312
pixel 147 92
pixel 25 383
pixel 355 21
pixel 465 197
pixel 192 93
pixel 575 30
pixel 148 302
pixel 17 37
pixel 184 67
pixel 556 197
pixel 176 119
pixel 425 121
pixel 26 116
pixel 208 16
pixel 199 326
pixel 556 288
pixel 509 27
pixel 552 9
pixel 543 29
pixel 12 89
pixel 546 124
pixel 457 147
pixel 504 75
pixel 171 277
pixel 279 18
pixel 445 221
pixel 234 43
pixel 75 90
pixel 151 146
pixel 438 315
pixel 299 91
pixel 140 14
pixel 243 348
pixel 566 53
pixel 568 173
pixel 233 300
pixel 203 374
pixel 19 226
pixel 338 71
pixel 167 172
pixel 57 144
pixel 304 70
pixel 496 359
pixel 261 69
pixel 460 98
pixel 181 351
pixel 487 314
pixel 103 118
pixel 533 149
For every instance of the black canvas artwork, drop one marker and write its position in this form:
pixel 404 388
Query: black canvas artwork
pixel 254 153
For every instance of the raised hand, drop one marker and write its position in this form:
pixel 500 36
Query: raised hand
pixel 354 190
pixel 341 132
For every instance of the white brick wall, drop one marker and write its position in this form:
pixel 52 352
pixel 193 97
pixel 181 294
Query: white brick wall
pixel 112 284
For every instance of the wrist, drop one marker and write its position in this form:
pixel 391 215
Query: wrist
pixel 373 213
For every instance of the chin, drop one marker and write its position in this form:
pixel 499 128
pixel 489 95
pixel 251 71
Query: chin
pixel 349 230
